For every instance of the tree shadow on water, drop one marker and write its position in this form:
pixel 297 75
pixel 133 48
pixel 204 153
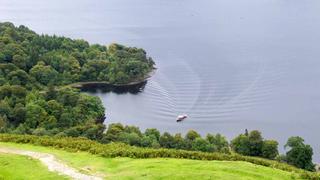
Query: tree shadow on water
pixel 106 88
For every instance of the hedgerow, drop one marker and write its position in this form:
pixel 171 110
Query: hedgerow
pixel 123 150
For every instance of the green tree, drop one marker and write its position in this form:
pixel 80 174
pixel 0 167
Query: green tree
pixel 18 77
pixel 113 132
pixel 250 145
pixel 256 142
pixel 95 70
pixel 155 144
pixel 200 144
pixel 5 108
pixel 3 123
pixel 68 97
pixel 19 114
pixel 146 141
pixel 35 115
pixel 192 135
pixel 270 149
pixel 44 74
pixel 67 118
pixel 153 132
pixel 219 142
pixel 54 108
pixel 179 142
pixel 299 154
pixel 241 144
pixel 93 131
pixel 92 105
pixel 166 140
pixel 130 138
pixel 133 129
pixel 20 61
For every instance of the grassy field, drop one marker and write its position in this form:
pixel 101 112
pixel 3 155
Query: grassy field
pixel 16 167
pixel 158 168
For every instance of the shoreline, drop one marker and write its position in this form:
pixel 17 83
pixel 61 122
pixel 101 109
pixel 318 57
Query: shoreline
pixel 106 83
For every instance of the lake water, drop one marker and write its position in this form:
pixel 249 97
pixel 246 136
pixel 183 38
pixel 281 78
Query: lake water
pixel 228 64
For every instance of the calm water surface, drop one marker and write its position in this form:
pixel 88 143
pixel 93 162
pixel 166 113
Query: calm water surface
pixel 229 65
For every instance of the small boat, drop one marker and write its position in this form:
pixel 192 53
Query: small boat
pixel 181 117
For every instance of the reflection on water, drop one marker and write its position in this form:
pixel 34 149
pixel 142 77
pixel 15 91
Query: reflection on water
pixel 105 88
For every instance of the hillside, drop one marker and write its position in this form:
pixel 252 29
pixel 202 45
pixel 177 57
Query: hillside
pixel 129 168
pixel 86 157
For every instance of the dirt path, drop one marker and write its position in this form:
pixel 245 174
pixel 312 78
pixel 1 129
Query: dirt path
pixel 52 163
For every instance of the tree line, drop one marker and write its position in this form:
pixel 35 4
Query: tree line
pixel 250 143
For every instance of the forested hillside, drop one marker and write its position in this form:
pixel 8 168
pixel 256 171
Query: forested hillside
pixel 33 68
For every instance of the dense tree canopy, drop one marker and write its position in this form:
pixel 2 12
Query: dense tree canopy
pixel 132 135
pixel 34 70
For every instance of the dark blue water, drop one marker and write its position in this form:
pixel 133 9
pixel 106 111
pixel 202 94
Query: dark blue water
pixel 229 65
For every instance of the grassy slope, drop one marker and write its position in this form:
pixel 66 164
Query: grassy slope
pixel 159 168
pixel 16 167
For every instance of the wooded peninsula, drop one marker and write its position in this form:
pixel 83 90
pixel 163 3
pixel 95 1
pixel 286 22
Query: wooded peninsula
pixel 32 66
